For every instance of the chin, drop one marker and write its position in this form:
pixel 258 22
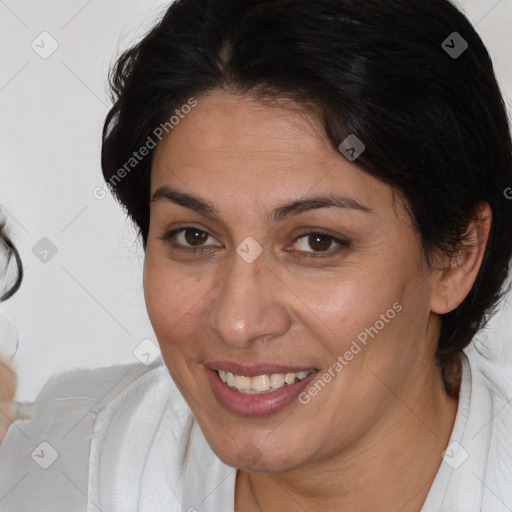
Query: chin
pixel 261 456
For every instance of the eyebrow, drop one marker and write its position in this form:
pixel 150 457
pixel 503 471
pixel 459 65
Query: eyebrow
pixel 200 205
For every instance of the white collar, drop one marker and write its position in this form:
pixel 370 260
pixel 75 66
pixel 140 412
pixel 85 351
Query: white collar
pixel 149 455
pixel 141 461
pixel 476 471
pixel 209 484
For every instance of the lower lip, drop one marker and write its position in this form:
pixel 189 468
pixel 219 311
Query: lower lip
pixel 256 405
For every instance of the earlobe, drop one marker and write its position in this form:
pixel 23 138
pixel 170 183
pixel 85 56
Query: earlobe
pixel 455 280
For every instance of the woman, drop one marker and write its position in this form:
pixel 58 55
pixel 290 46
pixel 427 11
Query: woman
pixel 7 376
pixel 319 188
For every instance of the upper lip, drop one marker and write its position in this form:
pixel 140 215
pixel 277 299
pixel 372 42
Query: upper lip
pixel 254 370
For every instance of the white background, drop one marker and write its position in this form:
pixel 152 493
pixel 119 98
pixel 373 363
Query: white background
pixel 85 306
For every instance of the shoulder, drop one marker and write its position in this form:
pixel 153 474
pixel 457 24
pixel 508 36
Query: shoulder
pixel 79 389
pixel 476 468
pixel 45 456
pixel 487 439
pixel 491 367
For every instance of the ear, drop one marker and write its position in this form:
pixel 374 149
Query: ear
pixel 456 278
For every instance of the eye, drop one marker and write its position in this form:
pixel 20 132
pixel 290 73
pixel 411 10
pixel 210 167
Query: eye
pixel 192 239
pixel 320 242
pixel 195 237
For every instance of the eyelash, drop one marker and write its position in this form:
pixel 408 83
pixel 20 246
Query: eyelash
pixel 319 254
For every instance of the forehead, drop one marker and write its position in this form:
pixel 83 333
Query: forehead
pixel 236 123
pixel 231 146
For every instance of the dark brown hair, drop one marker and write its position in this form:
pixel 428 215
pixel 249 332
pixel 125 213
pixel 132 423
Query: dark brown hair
pixel 11 252
pixel 434 124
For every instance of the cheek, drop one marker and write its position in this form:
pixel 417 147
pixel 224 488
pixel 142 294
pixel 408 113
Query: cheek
pixel 342 304
pixel 173 302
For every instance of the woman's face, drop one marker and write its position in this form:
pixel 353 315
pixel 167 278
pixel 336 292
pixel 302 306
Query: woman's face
pixel 263 296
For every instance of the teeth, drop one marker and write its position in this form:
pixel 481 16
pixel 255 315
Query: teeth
pixel 242 382
pixel 277 380
pixel 289 378
pixel 262 383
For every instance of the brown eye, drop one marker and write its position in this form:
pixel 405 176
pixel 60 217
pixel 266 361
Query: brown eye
pixel 319 242
pixel 313 244
pixel 189 238
pixel 195 236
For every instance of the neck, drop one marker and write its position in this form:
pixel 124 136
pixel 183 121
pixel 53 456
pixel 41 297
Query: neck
pixel 391 468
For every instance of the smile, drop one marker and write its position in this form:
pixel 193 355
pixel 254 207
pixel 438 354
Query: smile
pixel 261 384
pixel 257 390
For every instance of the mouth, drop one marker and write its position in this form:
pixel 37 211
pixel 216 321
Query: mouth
pixel 261 384
pixel 257 390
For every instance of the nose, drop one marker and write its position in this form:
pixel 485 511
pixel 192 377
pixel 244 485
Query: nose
pixel 249 304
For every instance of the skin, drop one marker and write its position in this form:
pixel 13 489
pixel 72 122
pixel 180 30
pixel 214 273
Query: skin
pixel 372 438
pixel 7 390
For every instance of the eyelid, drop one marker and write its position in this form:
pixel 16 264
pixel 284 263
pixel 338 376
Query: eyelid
pixel 166 237
pixel 342 243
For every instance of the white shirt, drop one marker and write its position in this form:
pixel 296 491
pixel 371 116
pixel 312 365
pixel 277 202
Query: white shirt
pixel 122 439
